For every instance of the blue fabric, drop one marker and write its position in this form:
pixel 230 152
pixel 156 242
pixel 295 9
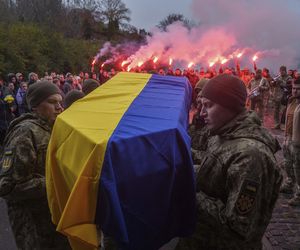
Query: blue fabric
pixel 147 189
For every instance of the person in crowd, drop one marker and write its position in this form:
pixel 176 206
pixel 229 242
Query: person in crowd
pixel 20 78
pixel 291 73
pixel 94 76
pixel 104 77
pixel 3 88
pixel 161 72
pixel 237 178
pixel 32 78
pixel 86 75
pixel 258 88
pixel 68 85
pixel 297 74
pixel 177 72
pixel 112 72
pixel 20 98
pixel 76 83
pixel 266 75
pixel 291 144
pixel 61 80
pixel 89 85
pixel 280 92
pixel 22 170
pixel 245 76
pixel 6 115
pixel 170 72
pixel 72 96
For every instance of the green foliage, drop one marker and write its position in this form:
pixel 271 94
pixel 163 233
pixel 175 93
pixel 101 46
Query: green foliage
pixel 27 47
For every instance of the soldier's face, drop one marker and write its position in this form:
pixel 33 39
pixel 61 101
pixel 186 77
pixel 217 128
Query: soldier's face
pixel 50 108
pixel 215 115
pixel 296 91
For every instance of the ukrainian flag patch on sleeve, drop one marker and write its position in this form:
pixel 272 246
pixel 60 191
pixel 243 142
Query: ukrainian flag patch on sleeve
pixel 7 161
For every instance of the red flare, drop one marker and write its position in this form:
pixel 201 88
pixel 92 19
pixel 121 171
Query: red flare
pixel 102 65
pixel 254 58
pixel 190 64
pixel 225 60
pixel 123 63
pixel 155 59
pixel 211 64
pixel 170 61
pixel 239 55
pixel 140 64
pixel 94 61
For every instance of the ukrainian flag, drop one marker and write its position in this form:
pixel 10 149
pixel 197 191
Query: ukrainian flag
pixel 119 162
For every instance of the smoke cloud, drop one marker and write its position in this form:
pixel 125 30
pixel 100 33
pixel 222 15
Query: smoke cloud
pixel 270 26
pixel 227 32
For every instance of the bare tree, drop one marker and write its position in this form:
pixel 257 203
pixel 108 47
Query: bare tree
pixel 114 13
pixel 45 12
pixel 7 10
pixel 172 18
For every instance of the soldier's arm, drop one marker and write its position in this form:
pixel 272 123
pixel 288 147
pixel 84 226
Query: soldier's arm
pixel 22 181
pixel 265 85
pixel 239 214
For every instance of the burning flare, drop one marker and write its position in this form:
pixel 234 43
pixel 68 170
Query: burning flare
pixel 254 58
pixel 170 61
pixel 190 64
pixel 211 64
pixel 140 64
pixel 239 55
pixel 225 60
pixel 93 62
pixel 155 59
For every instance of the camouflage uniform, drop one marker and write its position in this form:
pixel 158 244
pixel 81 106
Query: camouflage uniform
pixel 287 148
pixel 238 183
pixel 296 167
pixel 22 184
pixel 278 87
pixel 257 102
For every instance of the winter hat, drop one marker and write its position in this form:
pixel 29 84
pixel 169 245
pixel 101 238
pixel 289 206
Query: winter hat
pixel 201 83
pixel 73 96
pixel 226 90
pixel 40 91
pixel 89 85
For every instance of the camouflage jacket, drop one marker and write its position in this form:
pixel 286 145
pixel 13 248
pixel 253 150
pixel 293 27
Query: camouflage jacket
pixel 238 183
pixel 260 85
pixel 281 84
pixel 22 166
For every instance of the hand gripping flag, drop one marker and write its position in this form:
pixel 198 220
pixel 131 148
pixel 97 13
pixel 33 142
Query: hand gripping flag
pixel 119 162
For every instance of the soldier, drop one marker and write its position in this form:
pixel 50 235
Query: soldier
pixel 258 88
pixel 289 181
pixel 291 149
pixel 22 170
pixel 237 180
pixel 280 90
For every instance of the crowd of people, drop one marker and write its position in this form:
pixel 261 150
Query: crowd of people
pixel 230 148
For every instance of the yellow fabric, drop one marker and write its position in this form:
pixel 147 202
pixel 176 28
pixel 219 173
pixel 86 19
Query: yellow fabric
pixel 76 152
